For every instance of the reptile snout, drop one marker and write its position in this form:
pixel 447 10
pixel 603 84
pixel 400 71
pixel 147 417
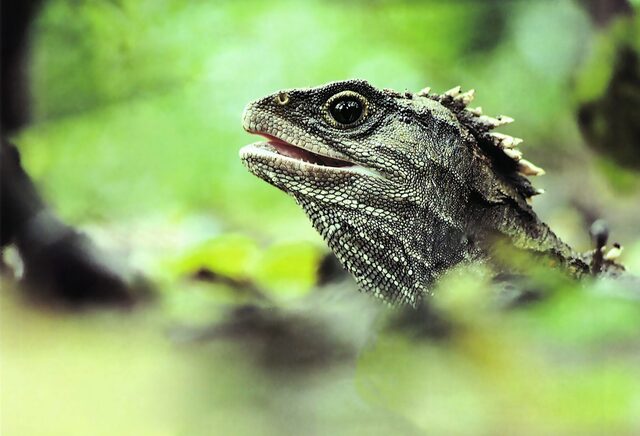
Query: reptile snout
pixel 247 116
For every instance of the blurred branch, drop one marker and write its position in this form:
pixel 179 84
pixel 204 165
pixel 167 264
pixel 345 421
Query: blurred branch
pixel 61 264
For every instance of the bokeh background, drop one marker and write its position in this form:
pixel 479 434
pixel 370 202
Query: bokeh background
pixel 135 138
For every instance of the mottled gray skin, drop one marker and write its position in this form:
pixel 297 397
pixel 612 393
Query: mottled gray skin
pixel 428 188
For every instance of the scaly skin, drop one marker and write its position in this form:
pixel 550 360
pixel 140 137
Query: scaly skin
pixel 414 186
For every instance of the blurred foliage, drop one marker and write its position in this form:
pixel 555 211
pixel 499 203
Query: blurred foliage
pixel 136 135
pixel 284 268
pixel 229 255
pixel 609 88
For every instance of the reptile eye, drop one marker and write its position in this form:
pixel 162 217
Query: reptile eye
pixel 345 109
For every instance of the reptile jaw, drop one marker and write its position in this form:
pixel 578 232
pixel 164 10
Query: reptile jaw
pixel 284 148
pixel 278 152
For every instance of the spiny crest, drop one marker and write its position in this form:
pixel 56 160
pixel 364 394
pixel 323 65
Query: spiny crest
pixel 500 148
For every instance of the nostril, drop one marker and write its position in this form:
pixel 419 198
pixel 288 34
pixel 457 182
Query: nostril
pixel 282 98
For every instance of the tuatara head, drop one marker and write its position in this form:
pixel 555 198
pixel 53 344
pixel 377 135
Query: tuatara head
pixel 401 186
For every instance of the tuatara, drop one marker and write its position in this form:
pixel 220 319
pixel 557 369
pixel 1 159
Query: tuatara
pixel 402 186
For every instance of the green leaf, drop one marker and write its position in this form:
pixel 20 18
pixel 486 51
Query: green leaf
pixel 288 268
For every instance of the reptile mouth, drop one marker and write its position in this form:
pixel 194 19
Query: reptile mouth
pixel 289 150
pixel 301 158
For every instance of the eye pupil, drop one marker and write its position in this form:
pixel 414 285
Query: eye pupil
pixel 346 111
